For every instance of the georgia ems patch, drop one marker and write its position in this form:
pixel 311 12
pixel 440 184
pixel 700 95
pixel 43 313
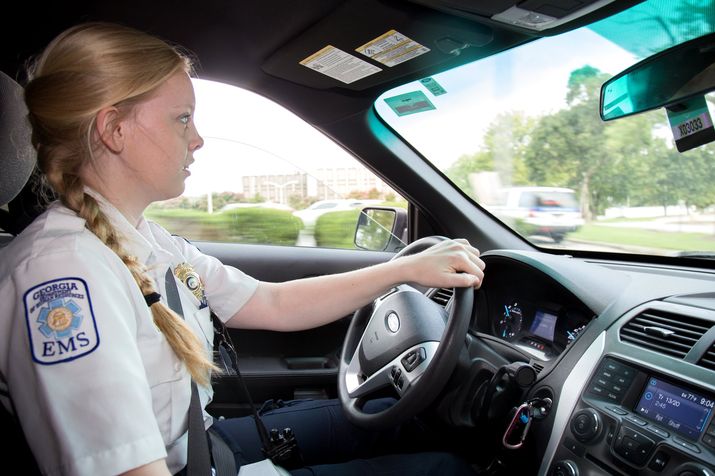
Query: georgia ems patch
pixel 60 321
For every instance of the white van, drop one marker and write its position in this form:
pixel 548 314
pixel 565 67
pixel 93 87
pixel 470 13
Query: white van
pixel 547 211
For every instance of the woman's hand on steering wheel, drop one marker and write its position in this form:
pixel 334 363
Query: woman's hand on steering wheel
pixel 447 264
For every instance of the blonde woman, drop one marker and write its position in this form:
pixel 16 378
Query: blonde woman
pixel 97 366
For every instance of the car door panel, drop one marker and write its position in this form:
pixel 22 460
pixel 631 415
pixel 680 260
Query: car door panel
pixel 284 365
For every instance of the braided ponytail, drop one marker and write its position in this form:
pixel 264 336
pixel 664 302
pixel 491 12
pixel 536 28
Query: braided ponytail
pixel 83 70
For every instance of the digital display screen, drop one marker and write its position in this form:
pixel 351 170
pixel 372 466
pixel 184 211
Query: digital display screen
pixel 544 325
pixel 675 408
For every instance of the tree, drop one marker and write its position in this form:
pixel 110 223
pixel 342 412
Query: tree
pixel 686 177
pixel 469 164
pixel 505 140
pixel 634 148
pixel 568 148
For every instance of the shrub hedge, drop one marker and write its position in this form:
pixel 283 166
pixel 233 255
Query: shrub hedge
pixel 241 225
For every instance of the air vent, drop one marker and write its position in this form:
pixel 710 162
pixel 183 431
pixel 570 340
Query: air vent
pixel 442 296
pixel 664 332
pixel 537 367
pixel 708 360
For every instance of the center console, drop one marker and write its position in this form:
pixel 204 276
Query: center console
pixel 631 420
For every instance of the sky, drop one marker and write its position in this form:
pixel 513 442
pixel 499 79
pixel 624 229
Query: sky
pixel 246 134
pixel 532 79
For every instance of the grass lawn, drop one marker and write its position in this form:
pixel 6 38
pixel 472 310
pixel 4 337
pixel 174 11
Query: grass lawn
pixel 645 238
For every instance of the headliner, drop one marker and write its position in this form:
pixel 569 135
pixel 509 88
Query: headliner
pixel 257 45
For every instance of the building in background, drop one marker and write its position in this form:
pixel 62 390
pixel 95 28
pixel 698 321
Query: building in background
pixel 323 184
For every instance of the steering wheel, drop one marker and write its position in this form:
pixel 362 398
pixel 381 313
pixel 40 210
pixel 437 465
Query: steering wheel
pixel 403 340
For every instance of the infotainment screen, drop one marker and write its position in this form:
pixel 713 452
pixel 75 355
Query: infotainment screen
pixel 676 408
pixel 544 325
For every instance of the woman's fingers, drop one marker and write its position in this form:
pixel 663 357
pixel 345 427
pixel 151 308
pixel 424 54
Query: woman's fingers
pixel 457 264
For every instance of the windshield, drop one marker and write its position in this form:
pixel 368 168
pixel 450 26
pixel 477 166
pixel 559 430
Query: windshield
pixel 520 133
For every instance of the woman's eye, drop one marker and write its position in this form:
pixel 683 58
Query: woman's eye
pixel 185 119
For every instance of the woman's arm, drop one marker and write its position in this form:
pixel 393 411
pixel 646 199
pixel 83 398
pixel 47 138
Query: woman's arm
pixel 156 468
pixel 311 302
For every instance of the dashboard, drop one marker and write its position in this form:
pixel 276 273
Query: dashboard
pixel 626 352
pixel 530 311
pixel 541 328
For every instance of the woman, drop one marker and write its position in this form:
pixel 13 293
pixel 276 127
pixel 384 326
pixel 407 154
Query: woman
pixel 101 368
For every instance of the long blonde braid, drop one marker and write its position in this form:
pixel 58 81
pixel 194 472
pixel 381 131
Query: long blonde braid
pixel 86 68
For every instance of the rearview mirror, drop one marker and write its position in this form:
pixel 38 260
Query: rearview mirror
pixel 381 229
pixel 667 78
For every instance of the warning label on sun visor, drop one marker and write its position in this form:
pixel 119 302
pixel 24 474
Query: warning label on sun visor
pixel 392 48
pixel 339 65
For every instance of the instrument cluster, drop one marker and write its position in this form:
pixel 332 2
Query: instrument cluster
pixel 543 329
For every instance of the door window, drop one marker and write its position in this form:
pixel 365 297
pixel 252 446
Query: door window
pixel 265 176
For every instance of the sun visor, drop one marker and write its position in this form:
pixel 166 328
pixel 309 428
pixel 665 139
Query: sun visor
pixel 366 43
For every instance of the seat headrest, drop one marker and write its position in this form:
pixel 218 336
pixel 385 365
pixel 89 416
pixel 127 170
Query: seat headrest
pixel 17 156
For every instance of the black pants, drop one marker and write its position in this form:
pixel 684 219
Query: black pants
pixel 331 445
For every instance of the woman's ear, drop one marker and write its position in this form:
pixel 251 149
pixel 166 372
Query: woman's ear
pixel 110 129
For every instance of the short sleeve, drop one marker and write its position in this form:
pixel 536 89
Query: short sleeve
pixel 228 289
pixel 75 372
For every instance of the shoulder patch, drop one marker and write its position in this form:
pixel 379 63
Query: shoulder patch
pixel 60 321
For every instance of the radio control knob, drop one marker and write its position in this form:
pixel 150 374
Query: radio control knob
pixel 564 468
pixel 586 425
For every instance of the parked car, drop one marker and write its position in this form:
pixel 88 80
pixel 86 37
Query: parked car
pixel 311 214
pixel 608 350
pixel 546 211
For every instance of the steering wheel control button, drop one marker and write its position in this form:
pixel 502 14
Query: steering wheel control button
pixel 397 378
pixel 586 425
pixel 659 461
pixel 635 447
pixel 414 358
pixel 392 322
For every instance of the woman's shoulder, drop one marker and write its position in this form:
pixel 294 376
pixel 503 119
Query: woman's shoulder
pixel 172 242
pixel 57 230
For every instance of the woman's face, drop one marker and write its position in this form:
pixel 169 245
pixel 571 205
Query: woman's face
pixel 161 140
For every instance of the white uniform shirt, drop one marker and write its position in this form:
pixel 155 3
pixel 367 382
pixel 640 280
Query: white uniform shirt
pixel 96 386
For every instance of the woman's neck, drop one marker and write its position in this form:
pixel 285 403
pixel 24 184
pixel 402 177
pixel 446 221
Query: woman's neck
pixel 125 199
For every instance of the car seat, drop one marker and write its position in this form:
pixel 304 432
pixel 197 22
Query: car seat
pixel 18 201
pixel 17 161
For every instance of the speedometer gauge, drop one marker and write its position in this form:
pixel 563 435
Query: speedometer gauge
pixel 509 323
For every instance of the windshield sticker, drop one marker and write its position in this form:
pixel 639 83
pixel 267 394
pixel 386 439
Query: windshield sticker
pixel 60 321
pixel 339 65
pixel 392 48
pixel 433 86
pixel 691 124
pixel 409 103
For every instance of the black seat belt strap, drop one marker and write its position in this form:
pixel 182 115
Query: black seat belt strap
pixel 198 457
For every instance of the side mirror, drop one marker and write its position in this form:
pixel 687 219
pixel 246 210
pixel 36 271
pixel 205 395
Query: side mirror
pixel 381 229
